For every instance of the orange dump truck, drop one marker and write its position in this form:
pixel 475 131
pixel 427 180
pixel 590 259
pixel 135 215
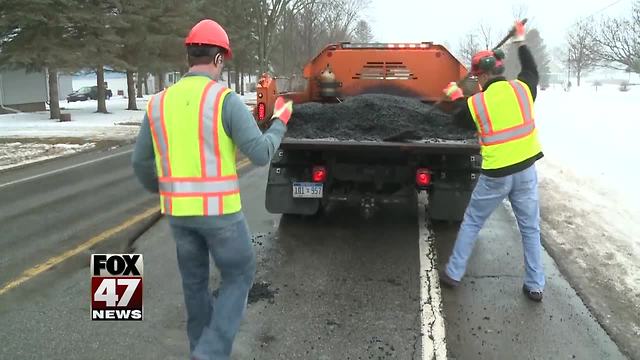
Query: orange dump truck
pixel 308 175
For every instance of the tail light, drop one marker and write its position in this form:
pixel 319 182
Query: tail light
pixel 319 174
pixel 423 177
pixel 262 111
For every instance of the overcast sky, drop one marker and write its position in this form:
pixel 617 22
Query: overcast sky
pixel 447 21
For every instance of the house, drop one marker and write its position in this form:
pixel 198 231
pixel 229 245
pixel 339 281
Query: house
pixel 28 91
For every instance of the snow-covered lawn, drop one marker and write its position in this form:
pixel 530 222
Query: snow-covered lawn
pixel 39 138
pixel 86 126
pixel 590 191
pixel 17 153
pixel 120 124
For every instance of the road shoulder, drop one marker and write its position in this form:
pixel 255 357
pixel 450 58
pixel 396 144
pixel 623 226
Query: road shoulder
pixel 488 316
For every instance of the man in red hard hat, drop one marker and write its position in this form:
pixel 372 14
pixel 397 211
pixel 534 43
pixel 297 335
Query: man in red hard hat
pixel 186 152
pixel 503 116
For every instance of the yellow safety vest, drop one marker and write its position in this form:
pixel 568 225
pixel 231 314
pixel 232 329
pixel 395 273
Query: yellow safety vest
pixel 195 158
pixel 505 120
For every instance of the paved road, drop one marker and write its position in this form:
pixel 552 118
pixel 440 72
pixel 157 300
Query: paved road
pixel 52 207
pixel 337 287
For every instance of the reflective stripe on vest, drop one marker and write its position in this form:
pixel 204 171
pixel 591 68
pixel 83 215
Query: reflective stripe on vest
pixel 209 146
pixel 490 137
pixel 188 187
pixel 159 132
pixel 211 186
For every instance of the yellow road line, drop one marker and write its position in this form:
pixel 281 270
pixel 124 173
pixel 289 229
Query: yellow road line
pixel 40 268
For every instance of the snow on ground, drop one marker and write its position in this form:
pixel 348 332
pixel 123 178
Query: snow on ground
pixel 119 124
pixel 590 189
pixel 85 126
pixel 17 153
pixel 249 98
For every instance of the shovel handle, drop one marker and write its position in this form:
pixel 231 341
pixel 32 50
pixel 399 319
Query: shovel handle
pixel 509 35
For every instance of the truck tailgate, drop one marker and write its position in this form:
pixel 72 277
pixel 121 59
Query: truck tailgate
pixel 422 147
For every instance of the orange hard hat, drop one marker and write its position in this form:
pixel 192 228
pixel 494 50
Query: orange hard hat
pixel 209 32
pixel 486 61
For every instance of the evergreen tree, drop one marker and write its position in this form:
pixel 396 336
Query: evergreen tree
pixel 538 49
pixel 35 35
pixel 132 29
pixel 363 33
pixel 166 51
pixel 236 18
pixel 96 42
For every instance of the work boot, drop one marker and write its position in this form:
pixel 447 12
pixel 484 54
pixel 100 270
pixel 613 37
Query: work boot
pixel 534 295
pixel 447 281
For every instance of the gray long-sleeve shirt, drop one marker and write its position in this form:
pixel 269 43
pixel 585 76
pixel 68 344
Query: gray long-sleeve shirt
pixel 240 126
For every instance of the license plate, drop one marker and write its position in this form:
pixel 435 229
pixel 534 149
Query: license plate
pixel 307 190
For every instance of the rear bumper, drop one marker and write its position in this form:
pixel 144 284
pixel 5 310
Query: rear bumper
pixel 447 201
pixel 371 179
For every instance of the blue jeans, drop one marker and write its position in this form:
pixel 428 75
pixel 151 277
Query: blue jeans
pixel 212 324
pixel 522 190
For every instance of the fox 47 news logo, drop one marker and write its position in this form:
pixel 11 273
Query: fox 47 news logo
pixel 116 287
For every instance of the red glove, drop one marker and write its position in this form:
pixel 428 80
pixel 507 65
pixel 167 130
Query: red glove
pixel 453 91
pixel 282 109
pixel 520 32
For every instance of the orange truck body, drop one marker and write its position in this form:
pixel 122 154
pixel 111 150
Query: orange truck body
pixel 419 70
pixel 308 176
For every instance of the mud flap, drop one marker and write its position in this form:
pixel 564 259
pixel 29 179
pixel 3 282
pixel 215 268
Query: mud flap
pixel 279 195
pixel 448 203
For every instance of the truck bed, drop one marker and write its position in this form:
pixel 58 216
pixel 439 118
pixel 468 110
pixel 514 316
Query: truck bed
pixel 432 146
pixel 375 118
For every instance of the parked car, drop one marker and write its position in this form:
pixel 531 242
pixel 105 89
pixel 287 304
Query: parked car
pixel 87 93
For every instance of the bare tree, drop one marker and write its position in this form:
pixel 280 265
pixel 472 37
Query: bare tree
pixel 619 43
pixel 560 56
pixel 486 36
pixel 582 48
pixel 302 33
pixel 267 15
pixel 468 46
pixel 340 21
pixel 520 11
pixel 481 38
pixel 309 25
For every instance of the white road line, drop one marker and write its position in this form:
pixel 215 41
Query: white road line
pixel 64 169
pixel 434 345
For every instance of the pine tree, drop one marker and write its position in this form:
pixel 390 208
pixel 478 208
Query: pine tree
pixel 96 41
pixel 166 52
pixel 236 18
pixel 132 31
pixel 35 35
pixel 137 48
pixel 362 32
pixel 538 49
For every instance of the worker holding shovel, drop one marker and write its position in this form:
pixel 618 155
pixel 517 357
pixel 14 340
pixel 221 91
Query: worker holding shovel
pixel 186 152
pixel 503 116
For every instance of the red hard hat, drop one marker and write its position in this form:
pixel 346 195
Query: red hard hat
pixel 209 32
pixel 484 61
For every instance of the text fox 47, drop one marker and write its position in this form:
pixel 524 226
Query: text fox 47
pixel 116 287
